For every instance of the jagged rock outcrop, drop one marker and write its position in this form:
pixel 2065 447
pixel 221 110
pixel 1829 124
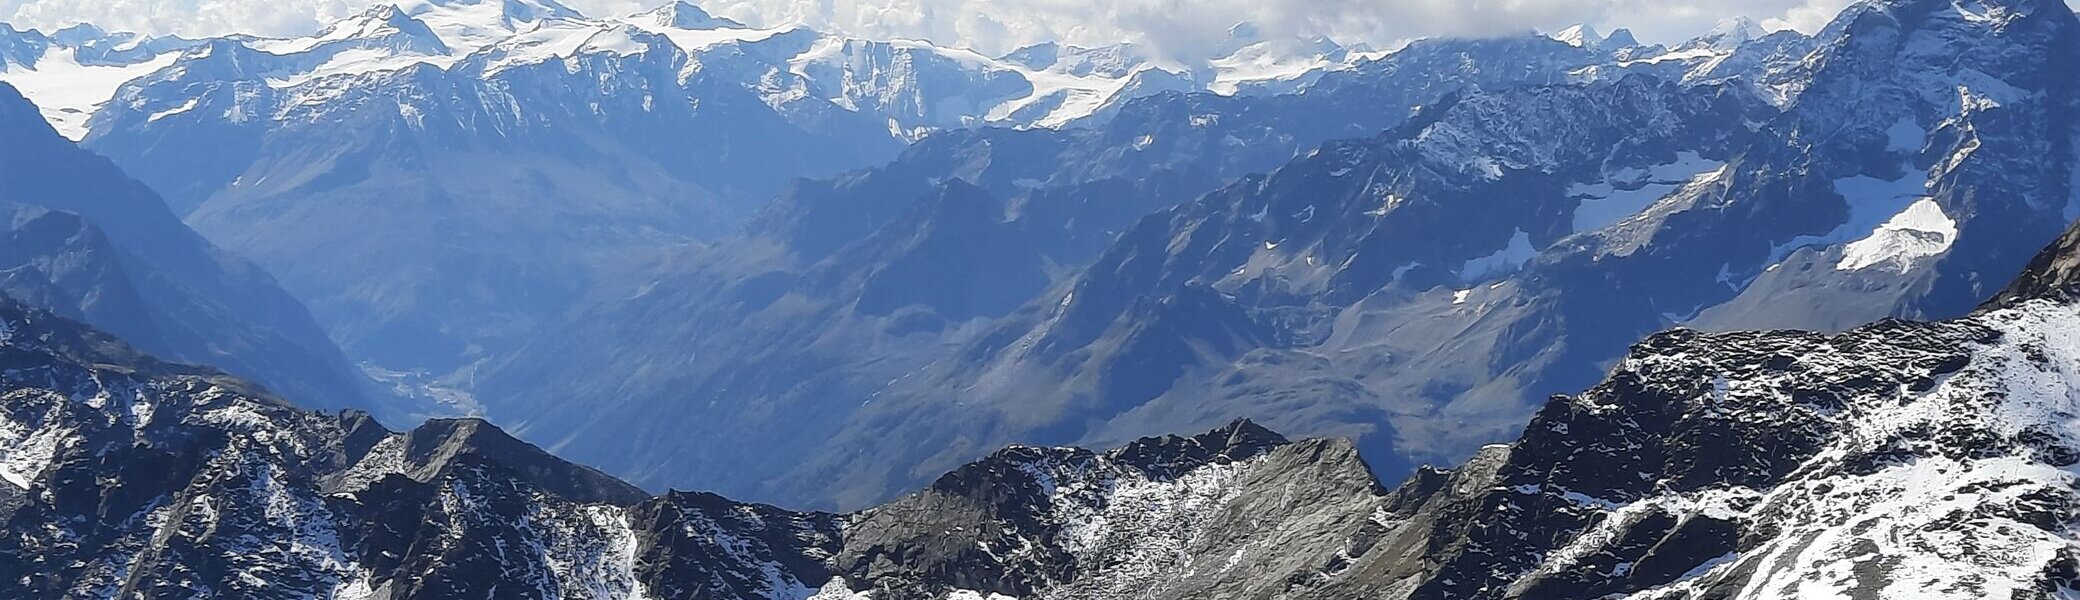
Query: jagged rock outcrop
pixel 129 477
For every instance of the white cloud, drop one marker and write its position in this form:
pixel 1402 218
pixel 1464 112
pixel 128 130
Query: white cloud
pixel 1181 28
pixel 1810 16
pixel 188 17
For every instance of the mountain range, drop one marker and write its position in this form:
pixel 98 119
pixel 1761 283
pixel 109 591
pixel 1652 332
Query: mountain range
pixel 1899 459
pixel 453 298
pixel 1418 279
pixel 811 269
pixel 83 239
pixel 518 152
pixel 451 186
pixel 838 288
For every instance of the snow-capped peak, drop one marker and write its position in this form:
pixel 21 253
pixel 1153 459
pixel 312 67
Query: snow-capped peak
pixel 694 30
pixel 383 26
pixel 1117 60
pixel 561 39
pixel 79 34
pixel 467 25
pixel 517 10
pixel 1580 36
pixel 683 15
pixel 1586 36
pixel 383 38
pixel 1732 32
pixel 1036 57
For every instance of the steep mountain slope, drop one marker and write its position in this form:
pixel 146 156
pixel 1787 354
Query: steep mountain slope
pixel 1901 459
pixel 126 477
pixel 516 153
pixel 132 478
pixel 841 288
pixel 1748 465
pixel 502 180
pixel 1263 263
pixel 1445 277
pixel 85 240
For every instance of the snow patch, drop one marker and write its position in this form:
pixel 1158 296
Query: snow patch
pixel 1946 525
pixel 1258 64
pixel 466 26
pixel 357 61
pixel 838 589
pixel 1920 231
pixel 1138 528
pixel 1579 36
pixel 697 40
pixel 1504 261
pixel 26 452
pixel 1872 202
pixel 68 93
pixel 593 552
pixel 1627 192
pixel 551 41
pixel 184 107
pixel 237 416
pixel 1678 55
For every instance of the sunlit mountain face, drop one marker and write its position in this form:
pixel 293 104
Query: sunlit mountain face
pixel 455 298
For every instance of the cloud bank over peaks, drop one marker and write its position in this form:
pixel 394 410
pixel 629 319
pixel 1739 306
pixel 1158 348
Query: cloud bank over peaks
pixel 1180 29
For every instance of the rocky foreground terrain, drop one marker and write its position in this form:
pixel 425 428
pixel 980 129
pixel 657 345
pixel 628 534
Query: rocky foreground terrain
pixel 1901 459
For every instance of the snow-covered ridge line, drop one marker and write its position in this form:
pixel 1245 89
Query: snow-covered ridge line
pixel 1059 86
pixel 920 86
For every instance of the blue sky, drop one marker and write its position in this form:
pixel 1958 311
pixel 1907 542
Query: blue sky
pixel 1181 28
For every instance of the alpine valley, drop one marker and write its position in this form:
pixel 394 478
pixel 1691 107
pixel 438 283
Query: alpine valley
pixel 435 301
pixel 1899 459
pixel 1421 289
pixel 437 177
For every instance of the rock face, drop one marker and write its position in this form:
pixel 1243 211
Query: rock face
pixel 128 477
pixel 1900 459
